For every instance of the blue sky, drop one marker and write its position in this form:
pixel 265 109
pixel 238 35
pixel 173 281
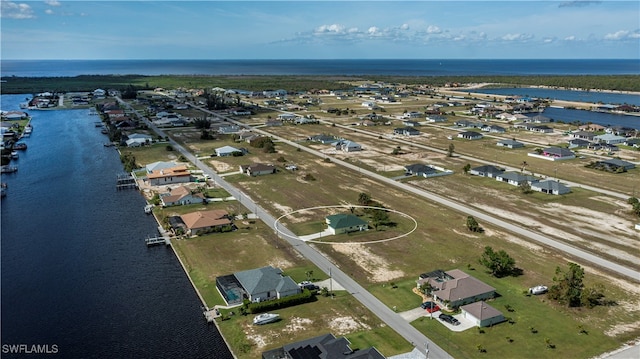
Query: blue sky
pixel 55 29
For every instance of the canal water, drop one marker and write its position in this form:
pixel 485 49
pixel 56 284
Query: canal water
pixel 77 278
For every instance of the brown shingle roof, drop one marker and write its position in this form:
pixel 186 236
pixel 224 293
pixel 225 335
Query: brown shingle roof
pixel 481 310
pixel 205 219
pixel 168 172
pixel 461 286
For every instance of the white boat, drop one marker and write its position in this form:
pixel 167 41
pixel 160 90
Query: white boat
pixel 14 155
pixel 539 289
pixel 266 318
pixel 148 209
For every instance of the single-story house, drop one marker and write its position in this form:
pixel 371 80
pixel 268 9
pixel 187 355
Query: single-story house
pixel 578 142
pixel 324 139
pixel 482 314
pixel 180 196
pixel 348 146
pixel 345 223
pixel 256 285
pixel 229 129
pixel 412 114
pixel 436 118
pixel 486 171
pixel 411 123
pixel 633 142
pixel 538 119
pixel 615 163
pixel 138 139
pixel 592 127
pixel 550 187
pixel 585 135
pixel 323 346
pixel 205 220
pixel 420 169
pixel 558 153
pixel 257 169
pixel 515 178
pixel 287 116
pixel 467 123
pixel 455 287
pixel 177 174
pixel 510 144
pixel 493 129
pixel 226 151
pixel 406 131
pixel 610 139
pixel 470 135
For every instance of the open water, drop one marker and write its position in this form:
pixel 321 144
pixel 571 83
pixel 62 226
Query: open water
pixel 397 67
pixel 76 274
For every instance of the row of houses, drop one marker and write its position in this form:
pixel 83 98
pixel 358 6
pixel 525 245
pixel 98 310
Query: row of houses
pixel 517 179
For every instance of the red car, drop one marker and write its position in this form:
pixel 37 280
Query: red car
pixel 430 307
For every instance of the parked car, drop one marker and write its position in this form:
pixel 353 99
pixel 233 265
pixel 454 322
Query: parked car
pixel 430 307
pixel 449 319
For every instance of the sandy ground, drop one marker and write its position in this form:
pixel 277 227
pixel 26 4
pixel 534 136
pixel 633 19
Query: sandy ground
pixel 377 267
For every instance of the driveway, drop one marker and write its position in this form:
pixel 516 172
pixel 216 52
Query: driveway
pixel 313 236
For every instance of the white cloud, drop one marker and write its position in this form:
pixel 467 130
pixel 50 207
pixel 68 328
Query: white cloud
pixel 404 27
pixel 570 38
pixel 333 28
pixel 623 35
pixel 432 29
pixel 48 11
pixel 374 31
pixel 517 37
pixel 11 10
pixel 52 2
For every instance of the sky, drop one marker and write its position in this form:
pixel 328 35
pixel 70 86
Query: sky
pixel 518 29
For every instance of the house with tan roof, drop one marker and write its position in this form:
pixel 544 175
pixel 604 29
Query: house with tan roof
pixel 180 196
pixel 455 288
pixel 178 174
pixel 200 221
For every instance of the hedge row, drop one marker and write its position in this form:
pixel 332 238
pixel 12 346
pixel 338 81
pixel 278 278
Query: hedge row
pixel 304 297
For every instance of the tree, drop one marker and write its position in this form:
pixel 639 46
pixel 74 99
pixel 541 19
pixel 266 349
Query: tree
pixel 379 217
pixel 364 199
pixel 450 150
pixel 309 274
pixel 525 187
pixel 466 168
pixel 473 225
pixel 499 263
pixel 592 296
pixel 568 285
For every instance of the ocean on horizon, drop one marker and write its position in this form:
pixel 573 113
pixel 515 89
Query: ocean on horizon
pixel 352 67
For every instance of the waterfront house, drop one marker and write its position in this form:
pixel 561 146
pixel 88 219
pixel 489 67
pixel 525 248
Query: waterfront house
pixel 345 223
pixel 178 174
pixel 321 347
pixel 160 165
pixel 585 135
pixel 180 196
pixel 592 127
pixel 203 221
pixel 510 144
pixel 489 171
pixel 550 187
pixel 538 119
pixel 257 169
pixel 455 288
pixel 256 285
pixel 138 139
pixel 470 135
pixel 482 314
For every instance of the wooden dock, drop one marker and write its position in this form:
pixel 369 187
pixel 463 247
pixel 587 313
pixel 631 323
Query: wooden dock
pixel 211 314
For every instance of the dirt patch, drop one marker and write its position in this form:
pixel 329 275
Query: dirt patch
pixel 297 324
pixel 377 266
pixel 220 166
pixel 346 325
pixel 622 328
pixel 282 209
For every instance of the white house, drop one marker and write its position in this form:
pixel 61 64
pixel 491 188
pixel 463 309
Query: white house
pixel 482 314
pixel 610 139
pixel 226 151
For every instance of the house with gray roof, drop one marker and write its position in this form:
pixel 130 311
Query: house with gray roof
pixel 455 288
pixel 325 346
pixel 406 131
pixel 345 223
pixel 515 178
pixel 420 169
pixel 257 169
pixel 160 165
pixel 610 139
pixel 614 164
pixel 482 314
pixel 486 171
pixel 226 151
pixel 510 144
pixel 550 187
pixel 348 146
pixel 264 283
pixel 558 153
pixel 578 142
pixel 470 135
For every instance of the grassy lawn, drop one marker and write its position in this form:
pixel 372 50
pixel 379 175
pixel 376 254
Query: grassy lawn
pixel 149 154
